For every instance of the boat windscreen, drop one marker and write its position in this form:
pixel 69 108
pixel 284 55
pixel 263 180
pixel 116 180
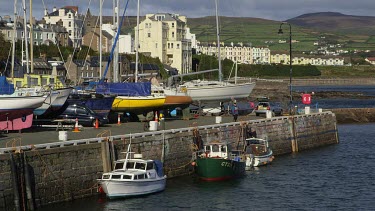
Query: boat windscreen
pixel 130 165
pixel 119 166
pixel 215 148
pixel 141 166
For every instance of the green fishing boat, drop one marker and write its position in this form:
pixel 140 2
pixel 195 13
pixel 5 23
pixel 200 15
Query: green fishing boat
pixel 215 163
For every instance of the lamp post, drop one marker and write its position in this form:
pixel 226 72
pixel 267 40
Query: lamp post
pixel 290 63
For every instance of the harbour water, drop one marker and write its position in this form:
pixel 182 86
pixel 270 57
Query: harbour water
pixel 337 177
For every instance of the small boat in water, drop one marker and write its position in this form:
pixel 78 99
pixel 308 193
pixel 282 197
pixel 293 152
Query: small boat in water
pixel 217 163
pixel 257 152
pixel 133 177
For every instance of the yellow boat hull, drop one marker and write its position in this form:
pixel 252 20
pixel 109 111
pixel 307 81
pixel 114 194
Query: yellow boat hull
pixel 141 103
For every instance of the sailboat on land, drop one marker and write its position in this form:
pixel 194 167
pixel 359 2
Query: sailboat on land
pixel 202 90
pixel 135 96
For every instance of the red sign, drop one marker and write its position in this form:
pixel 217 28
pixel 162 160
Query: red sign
pixel 306 99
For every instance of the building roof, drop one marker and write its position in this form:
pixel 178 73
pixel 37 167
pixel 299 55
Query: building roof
pixel 168 17
pixel 72 9
pixel 372 59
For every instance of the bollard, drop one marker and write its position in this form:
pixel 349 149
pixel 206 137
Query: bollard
pixel 76 129
pixel 118 119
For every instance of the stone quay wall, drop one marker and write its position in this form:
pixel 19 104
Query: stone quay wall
pixel 69 170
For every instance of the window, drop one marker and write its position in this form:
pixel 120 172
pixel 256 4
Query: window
pixel 70 24
pixel 215 148
pixel 141 176
pixel 156 45
pixel 47 36
pixel 22 34
pixel 115 176
pixel 141 166
pixel 150 165
pixel 70 15
pixel 70 32
pixel 127 176
pixel 172 25
pixel 178 46
pixel 172 34
pixel 171 45
pixel 130 165
pixel 149 34
pixel 8 33
pixel 119 166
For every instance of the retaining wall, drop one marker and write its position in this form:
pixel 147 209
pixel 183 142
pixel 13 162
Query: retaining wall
pixel 67 170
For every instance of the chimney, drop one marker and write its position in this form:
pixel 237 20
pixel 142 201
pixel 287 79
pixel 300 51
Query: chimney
pixel 45 12
pixel 54 9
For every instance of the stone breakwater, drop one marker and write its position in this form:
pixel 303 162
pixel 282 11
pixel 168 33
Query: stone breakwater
pixel 354 115
pixel 68 170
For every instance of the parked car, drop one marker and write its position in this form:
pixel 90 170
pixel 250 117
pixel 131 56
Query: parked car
pixel 84 115
pixel 276 108
pixel 264 105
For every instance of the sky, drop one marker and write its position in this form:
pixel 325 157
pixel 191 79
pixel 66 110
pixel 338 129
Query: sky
pixel 278 10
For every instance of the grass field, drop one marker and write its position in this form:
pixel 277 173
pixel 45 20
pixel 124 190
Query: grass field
pixel 258 31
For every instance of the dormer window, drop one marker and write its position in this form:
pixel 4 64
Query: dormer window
pixel 159 17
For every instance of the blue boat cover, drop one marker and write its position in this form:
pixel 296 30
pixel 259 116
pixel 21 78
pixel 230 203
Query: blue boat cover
pixel 125 89
pixel 5 87
pixel 159 167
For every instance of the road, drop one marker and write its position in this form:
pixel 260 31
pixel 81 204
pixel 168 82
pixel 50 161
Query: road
pixel 40 135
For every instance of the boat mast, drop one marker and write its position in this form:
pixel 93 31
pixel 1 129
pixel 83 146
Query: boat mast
pixel 25 35
pixel 116 23
pixel 31 38
pixel 14 37
pixel 100 36
pixel 218 41
pixel 136 45
pixel 235 75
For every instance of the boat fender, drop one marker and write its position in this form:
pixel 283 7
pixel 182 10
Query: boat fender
pixel 193 163
pixel 100 189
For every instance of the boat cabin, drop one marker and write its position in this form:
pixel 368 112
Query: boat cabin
pixel 134 169
pixel 256 146
pixel 216 149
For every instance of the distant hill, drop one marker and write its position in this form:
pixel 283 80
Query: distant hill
pixel 336 23
pixel 357 32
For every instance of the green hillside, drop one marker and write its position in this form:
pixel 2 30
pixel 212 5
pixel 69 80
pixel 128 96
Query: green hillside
pixel 258 32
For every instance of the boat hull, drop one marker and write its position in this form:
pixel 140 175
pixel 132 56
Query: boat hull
pixel 177 101
pixel 217 169
pixel 260 160
pixel 219 92
pixel 101 106
pixel 18 123
pixel 46 104
pixel 141 103
pixel 16 113
pixel 118 189
pixel 63 95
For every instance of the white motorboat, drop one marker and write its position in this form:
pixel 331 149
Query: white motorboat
pixel 133 177
pixel 257 152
